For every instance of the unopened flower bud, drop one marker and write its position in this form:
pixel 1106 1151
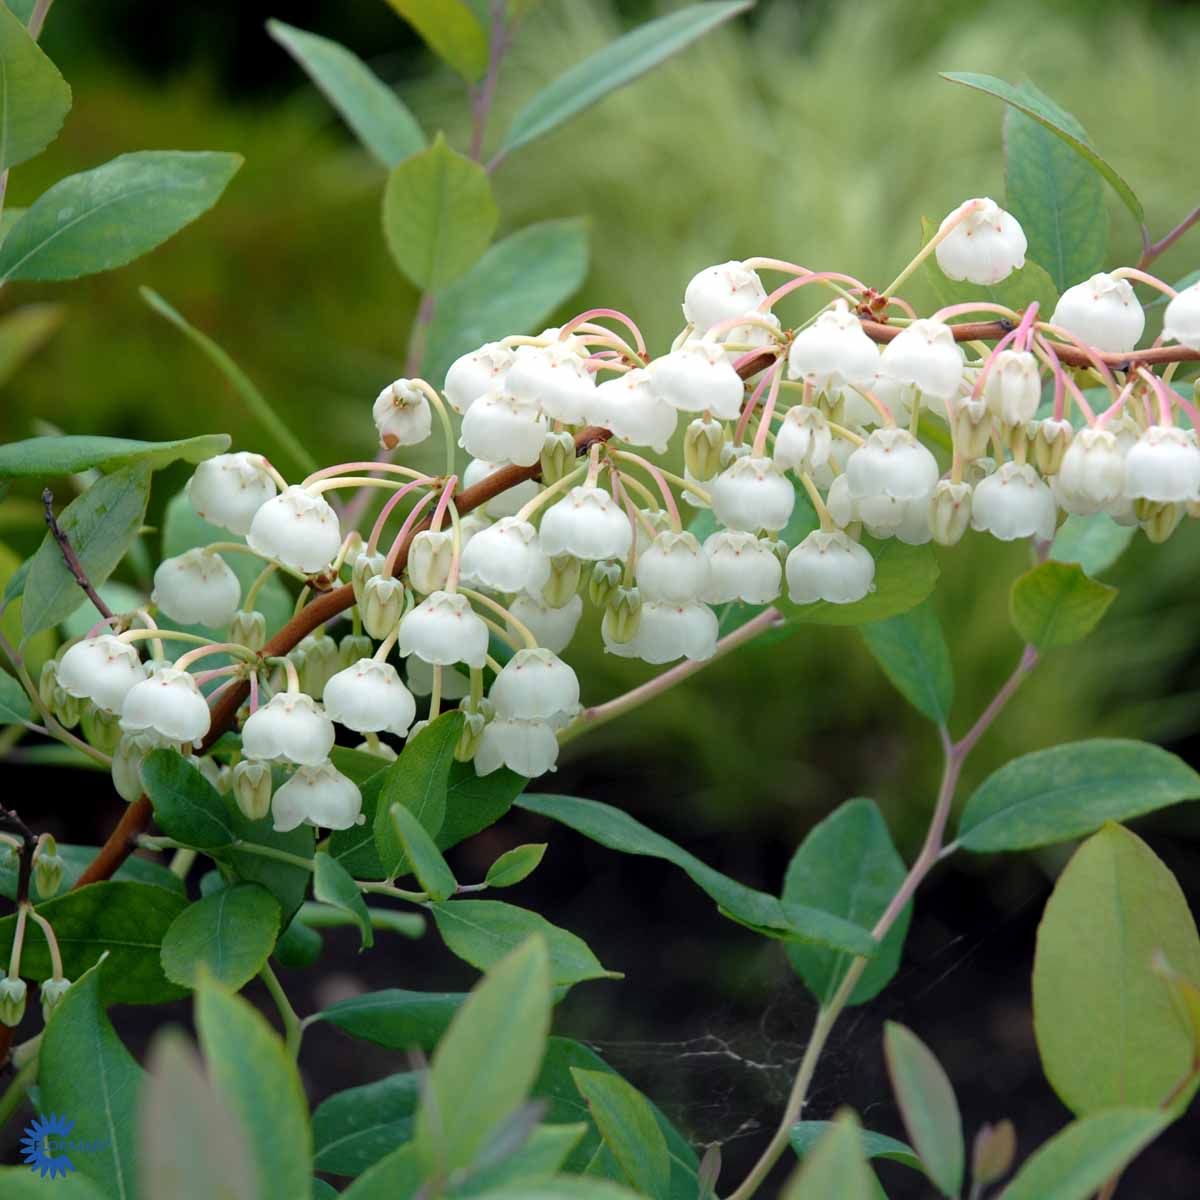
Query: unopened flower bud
pixel 429 560
pixel 316 659
pixel 52 991
pixel 949 511
pixel 1014 387
pixel 377 749
pixel 623 614
pixel 475 717
pixel 127 761
pixel 972 428
pixel 778 547
pixel 48 867
pixel 565 573
pixel 12 1002
pixel 66 707
pixel 605 578
pixel 101 729
pixel 1050 442
pixel 1158 519
pixel 248 629
pixel 365 566
pixel 47 682
pixel 702 442
pixel 993 1153
pixel 251 783
pixel 382 605
pixel 353 647
pixel 557 457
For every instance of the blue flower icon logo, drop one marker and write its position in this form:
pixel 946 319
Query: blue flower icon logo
pixel 36 1145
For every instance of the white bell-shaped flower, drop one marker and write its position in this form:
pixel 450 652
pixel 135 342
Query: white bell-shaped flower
pixel 429 558
pixel 507 557
pixel 402 415
pixel 169 705
pixel 553 627
pixel 698 378
pixel 913 527
pixel 760 331
pixel 197 587
pixel 370 697
pixel 667 632
pixel 804 441
pixel 892 463
pixel 320 796
pixel 1013 389
pixel 673 567
pixel 507 503
pixel 830 567
pixel 1181 322
pixel 741 567
pixel 501 427
pixel 1014 502
pixel 925 356
pixel 455 685
pixel 985 246
pixel 834 353
pixel 535 685
pixel 588 523
pixel 555 378
pixel 1164 466
pixel 720 293
pixel 444 629
pixel 859 412
pixel 882 515
pixel 290 727
pixel 632 409
pixel 751 494
pixel 229 489
pixel 1092 473
pixel 1103 312
pixel 101 669
pixel 529 748
pixel 297 529
pixel 475 374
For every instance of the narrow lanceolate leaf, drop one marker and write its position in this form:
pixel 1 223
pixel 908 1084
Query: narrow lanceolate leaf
pixel 1056 603
pixel 379 118
pixel 227 936
pixel 14 703
pixel 928 1107
pixel 86 1072
pixel 100 525
pixel 34 97
pixel 396 1018
pixel 836 1166
pixel 423 856
pixel 333 884
pixel 1050 117
pixel 451 30
pixel 247 1062
pixel 354 1129
pixel 484 1067
pixel 1094 542
pixel 1076 1163
pixel 186 806
pixel 1056 195
pixel 912 651
pixel 109 216
pixel 514 865
pixel 627 1124
pixel 43 457
pixel 618 63
pixel 804 1135
pixel 1108 1030
pixel 439 215
pixel 847 865
pixel 513 288
pixel 1069 791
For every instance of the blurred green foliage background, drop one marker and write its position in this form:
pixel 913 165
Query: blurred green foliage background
pixel 818 132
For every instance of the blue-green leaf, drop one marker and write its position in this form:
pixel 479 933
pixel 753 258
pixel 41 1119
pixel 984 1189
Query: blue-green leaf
pixel 1055 604
pixel 227 936
pixel 34 97
pixel 451 30
pixel 911 648
pixel 46 456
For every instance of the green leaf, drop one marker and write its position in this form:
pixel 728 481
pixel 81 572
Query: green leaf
pixel 439 215
pixel 34 97
pixel 617 830
pixel 847 865
pixel 46 456
pixel 17 1183
pixel 1108 1031
pixel 423 856
pixel 417 781
pixel 450 29
pixel 248 1064
pixel 1094 542
pixel 1055 194
pixel 77 858
pixel 14 703
pixel 514 865
pixel 24 331
pixel 100 525
pixel 258 405
pixel 333 884
pixel 483 931
pixel 109 216
pixel 620 62
pixel 1056 604
pixel 85 1071
pixel 1031 104
pixel 912 651
pixel 1069 791
pixel 804 1135
pixel 398 1176
pixel 186 806
pixel 128 920
pixel 357 765
pixel 287 882
pixel 513 288
pixel 627 1124
pixel 484 1067
pixel 836 1166
pixel 379 118
pixel 354 1129
pixel 176 1100
pixel 927 1105
pixel 395 1018
pixel 562 1187
pixel 1079 1160
pixel 544 1152
pixel 227 935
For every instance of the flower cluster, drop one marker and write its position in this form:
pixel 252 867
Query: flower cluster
pixel 865 419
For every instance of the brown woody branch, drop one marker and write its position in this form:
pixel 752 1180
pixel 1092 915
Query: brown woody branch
pixel 70 557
